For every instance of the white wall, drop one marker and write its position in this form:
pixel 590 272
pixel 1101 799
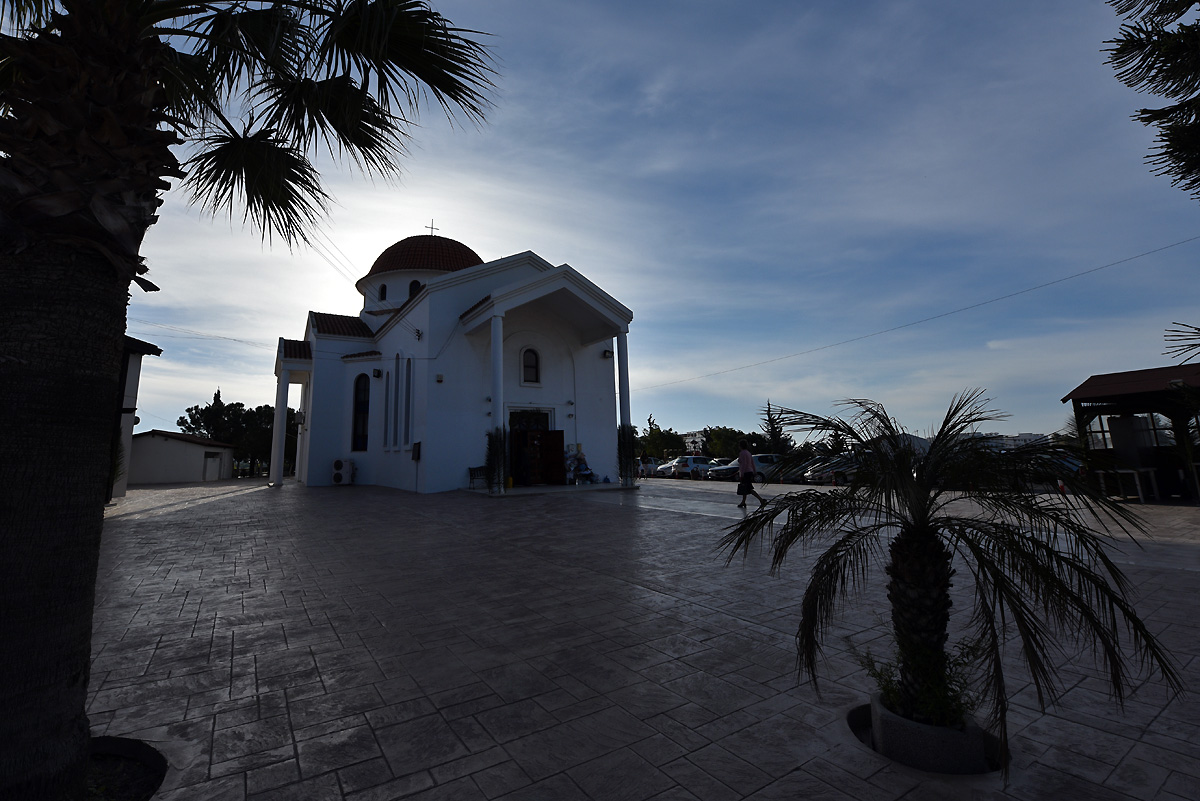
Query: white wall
pixel 133 376
pixel 165 460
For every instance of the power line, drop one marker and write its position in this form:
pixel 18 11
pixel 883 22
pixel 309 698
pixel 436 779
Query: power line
pixel 201 334
pixel 997 299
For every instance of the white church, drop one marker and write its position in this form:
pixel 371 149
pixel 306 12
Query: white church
pixel 447 348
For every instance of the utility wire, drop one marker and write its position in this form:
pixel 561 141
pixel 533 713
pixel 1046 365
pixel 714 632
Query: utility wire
pixel 923 319
pixel 202 334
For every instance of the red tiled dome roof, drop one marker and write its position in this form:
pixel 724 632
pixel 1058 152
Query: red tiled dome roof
pixel 425 252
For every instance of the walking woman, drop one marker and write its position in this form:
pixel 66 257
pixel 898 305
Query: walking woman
pixel 746 476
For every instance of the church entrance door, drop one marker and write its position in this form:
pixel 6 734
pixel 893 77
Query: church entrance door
pixel 536 451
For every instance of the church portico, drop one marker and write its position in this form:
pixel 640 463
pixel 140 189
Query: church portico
pixel 448 348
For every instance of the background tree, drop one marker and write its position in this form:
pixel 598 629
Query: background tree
pixel 1039 570
pixel 657 442
pixel 94 94
pixel 248 430
pixel 776 438
pixel 722 441
pixel 217 420
pixel 256 440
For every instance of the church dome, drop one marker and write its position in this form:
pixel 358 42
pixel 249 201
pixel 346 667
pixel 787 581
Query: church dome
pixel 426 253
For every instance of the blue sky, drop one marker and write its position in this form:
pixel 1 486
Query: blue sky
pixel 758 182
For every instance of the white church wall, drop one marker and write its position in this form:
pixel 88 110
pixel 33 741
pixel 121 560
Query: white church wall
pixel 332 394
pixel 596 400
pixel 456 418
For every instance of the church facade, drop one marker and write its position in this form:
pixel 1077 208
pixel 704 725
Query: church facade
pixel 446 349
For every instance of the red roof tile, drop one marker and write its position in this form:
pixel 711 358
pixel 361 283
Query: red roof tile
pixel 339 325
pixel 297 349
pixel 425 252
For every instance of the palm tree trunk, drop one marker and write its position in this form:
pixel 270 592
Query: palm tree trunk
pixel 62 319
pixel 920 574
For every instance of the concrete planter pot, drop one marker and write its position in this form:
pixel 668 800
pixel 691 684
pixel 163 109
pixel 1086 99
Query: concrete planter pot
pixel 932 748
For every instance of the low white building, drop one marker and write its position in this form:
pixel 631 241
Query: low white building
pixel 172 457
pixel 446 349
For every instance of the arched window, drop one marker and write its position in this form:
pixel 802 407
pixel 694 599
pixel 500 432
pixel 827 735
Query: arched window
pixel 414 288
pixel 531 367
pixel 362 408
pixel 383 291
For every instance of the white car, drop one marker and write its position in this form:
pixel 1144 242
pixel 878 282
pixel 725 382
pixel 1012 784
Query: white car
pixel 685 466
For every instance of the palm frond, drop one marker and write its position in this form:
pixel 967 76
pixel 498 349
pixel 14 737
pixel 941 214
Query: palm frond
pixel 25 14
pixel 1187 341
pixel 403 50
pixel 338 112
pixel 841 568
pixel 276 184
pixel 242 43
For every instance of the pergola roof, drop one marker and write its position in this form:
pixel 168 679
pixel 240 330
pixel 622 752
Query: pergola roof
pixel 1118 386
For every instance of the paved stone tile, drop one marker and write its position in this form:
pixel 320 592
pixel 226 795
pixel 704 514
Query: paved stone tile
pixel 403 787
pixel 337 750
pixel 556 788
pixel 251 761
pixel 371 773
pixel 419 744
pixel 271 776
pixel 316 709
pixel 322 788
pixel 500 779
pixel 251 738
pixel 730 769
pixel 620 776
pixel 512 721
pixel 646 699
pixel 264 640
pixel 699 783
pixel 458 790
pixel 575 742
pixel 228 788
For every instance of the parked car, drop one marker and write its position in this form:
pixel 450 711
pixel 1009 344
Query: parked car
pixel 685 467
pixel 766 468
pixel 725 472
pixel 647 465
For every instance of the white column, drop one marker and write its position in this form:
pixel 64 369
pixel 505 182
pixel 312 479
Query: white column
pixel 623 383
pixel 279 429
pixel 623 375
pixel 498 420
pixel 498 371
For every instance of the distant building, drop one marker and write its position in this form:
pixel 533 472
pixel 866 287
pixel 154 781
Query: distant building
pixel 1141 423
pixel 446 349
pixel 1010 441
pixel 172 457
pixel 693 442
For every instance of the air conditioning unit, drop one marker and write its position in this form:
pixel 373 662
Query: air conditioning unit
pixel 343 471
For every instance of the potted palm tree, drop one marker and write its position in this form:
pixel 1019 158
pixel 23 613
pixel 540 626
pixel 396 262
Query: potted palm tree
pixel 1036 562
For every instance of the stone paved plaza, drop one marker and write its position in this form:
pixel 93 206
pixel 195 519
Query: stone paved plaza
pixel 369 644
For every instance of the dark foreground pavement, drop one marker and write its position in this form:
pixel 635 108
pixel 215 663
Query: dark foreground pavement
pixel 368 644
